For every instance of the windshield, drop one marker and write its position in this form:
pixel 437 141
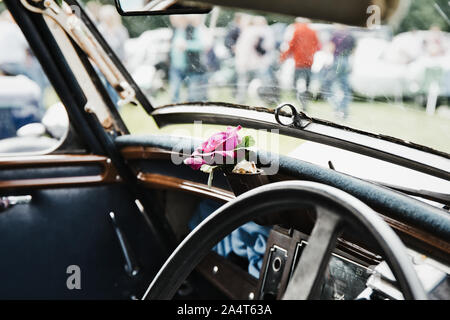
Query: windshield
pixel 387 79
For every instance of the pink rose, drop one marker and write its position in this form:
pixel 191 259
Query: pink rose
pixel 222 141
pixel 218 149
pixel 195 162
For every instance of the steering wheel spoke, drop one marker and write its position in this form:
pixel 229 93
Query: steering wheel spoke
pixel 307 279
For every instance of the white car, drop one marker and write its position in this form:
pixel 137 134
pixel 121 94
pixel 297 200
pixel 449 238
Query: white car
pixel 400 68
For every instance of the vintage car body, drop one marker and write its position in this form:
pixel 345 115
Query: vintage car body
pixel 114 207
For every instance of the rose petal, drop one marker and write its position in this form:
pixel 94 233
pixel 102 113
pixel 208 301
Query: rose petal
pixel 232 140
pixel 214 141
pixel 217 150
pixel 194 162
pixel 225 140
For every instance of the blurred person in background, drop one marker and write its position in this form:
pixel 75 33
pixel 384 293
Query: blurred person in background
pixel 177 54
pixel 93 11
pixel 112 29
pixel 302 47
pixel 20 93
pixel 255 51
pixel 435 42
pixel 323 68
pixel 344 44
pixel 436 62
pixel 19 59
pixel 234 32
pixel 187 57
pixel 198 44
pixel 13 61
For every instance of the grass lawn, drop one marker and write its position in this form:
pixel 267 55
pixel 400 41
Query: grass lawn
pixel 406 122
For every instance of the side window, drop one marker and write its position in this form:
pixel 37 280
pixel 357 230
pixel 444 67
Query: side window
pixel 32 119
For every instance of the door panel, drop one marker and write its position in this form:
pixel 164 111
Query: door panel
pixel 71 226
pixel 67 222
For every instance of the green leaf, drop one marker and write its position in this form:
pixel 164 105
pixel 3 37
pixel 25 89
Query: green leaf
pixel 59 2
pixel 247 142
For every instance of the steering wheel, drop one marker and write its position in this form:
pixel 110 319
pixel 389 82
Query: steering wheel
pixel 335 209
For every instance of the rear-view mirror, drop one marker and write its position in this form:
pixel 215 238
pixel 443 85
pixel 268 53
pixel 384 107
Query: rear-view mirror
pixel 159 7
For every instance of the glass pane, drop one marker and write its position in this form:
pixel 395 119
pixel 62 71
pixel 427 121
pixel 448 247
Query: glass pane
pixel 32 120
pixel 388 79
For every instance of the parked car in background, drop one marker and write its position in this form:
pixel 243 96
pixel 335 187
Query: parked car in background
pixel 19 104
pixel 148 64
pixel 405 67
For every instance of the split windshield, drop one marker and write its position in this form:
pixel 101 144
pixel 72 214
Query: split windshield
pixel 387 79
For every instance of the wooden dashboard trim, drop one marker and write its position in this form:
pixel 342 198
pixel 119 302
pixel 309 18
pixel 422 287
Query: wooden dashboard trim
pixel 108 174
pixel 147 153
pixel 418 234
pixel 165 182
pixel 159 181
pixel 45 160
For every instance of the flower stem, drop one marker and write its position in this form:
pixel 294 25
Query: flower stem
pixel 210 178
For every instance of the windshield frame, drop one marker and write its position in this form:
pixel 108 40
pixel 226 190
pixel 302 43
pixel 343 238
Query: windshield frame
pixel 345 136
pixel 384 148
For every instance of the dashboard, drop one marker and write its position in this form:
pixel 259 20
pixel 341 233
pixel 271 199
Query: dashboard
pixel 353 273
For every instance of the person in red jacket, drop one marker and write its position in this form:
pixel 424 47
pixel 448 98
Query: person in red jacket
pixel 302 47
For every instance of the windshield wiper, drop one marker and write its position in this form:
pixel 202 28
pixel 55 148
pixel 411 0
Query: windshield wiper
pixel 443 198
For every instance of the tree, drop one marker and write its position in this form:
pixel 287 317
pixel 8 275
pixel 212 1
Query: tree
pixel 423 14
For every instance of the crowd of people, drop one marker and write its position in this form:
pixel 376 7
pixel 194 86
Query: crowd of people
pixel 257 53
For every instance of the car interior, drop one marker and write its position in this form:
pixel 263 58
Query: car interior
pixel 140 224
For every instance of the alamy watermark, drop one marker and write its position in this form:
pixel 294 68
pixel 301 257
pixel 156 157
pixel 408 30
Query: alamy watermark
pixel 374 20
pixel 74 279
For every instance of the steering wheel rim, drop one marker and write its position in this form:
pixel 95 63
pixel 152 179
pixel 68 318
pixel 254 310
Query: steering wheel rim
pixel 335 209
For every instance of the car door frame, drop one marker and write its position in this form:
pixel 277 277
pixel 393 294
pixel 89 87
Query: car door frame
pixel 97 140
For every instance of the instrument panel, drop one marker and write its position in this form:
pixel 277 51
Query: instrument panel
pixel 351 274
pixel 345 277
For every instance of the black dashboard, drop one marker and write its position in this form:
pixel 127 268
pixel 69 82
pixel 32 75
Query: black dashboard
pixel 353 273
